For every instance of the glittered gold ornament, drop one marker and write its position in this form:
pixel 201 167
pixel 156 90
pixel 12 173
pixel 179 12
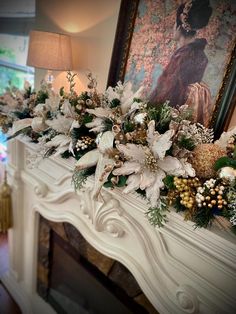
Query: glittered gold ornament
pixel 228 174
pixel 203 159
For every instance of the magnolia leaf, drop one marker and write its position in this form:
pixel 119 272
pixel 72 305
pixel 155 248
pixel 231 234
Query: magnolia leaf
pixel 59 140
pixel 106 141
pixel 88 160
pixel 100 112
pixel 224 162
pixel 38 124
pixel 96 125
pixel 20 125
pixel 61 124
pixel 67 109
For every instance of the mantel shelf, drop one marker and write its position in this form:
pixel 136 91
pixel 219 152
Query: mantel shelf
pixel 214 231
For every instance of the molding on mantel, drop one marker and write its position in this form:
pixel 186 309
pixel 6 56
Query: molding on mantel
pixel 181 270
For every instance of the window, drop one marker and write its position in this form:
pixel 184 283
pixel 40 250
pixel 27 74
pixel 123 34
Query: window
pixel 13 69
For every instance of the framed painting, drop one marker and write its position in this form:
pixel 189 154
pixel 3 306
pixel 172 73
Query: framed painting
pixel 180 51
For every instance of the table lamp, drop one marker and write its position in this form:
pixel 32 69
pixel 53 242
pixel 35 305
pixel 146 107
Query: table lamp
pixel 49 51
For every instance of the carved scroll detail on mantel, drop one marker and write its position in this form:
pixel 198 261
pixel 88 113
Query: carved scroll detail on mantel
pixel 187 299
pixel 106 215
pixel 41 190
pixel 32 159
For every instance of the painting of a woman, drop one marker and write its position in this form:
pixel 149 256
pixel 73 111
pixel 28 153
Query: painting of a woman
pixel 188 63
pixel 180 50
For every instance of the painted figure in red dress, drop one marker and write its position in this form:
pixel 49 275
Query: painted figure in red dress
pixel 181 81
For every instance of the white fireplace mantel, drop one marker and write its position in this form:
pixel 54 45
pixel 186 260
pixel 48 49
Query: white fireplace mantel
pixel 180 269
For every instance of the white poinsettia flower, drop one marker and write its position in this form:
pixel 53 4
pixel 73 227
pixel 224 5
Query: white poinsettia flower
pixel 60 124
pixel 128 98
pixel 187 167
pixel 100 112
pixel 225 136
pixel 67 109
pixel 124 93
pixel 99 157
pixel 158 143
pixel 53 101
pixel 11 102
pixel 148 166
pixel 112 94
pixel 41 110
pixel 96 125
pixel 135 106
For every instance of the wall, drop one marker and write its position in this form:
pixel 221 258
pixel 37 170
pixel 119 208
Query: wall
pixel 92 26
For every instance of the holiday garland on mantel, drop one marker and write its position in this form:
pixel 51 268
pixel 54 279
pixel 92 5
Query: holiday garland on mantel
pixel 155 150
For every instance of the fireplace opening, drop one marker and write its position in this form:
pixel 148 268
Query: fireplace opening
pixel 75 278
pixel 76 286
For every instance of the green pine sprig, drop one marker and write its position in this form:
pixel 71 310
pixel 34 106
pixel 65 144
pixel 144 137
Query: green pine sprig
pixel 161 114
pixel 157 215
pixel 187 143
pixel 80 177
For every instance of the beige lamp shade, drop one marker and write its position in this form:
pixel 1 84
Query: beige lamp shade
pixel 49 51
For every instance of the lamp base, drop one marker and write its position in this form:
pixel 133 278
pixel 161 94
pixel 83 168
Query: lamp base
pixel 49 78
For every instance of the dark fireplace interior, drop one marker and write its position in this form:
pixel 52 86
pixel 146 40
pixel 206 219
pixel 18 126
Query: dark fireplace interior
pixel 77 279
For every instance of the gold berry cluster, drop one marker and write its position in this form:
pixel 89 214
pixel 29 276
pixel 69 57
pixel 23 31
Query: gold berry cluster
pixel 138 136
pixel 84 142
pixel 211 195
pixel 187 190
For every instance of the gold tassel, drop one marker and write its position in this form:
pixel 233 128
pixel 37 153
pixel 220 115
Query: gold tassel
pixel 5 206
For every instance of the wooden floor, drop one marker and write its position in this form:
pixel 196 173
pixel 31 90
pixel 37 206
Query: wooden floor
pixel 7 304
